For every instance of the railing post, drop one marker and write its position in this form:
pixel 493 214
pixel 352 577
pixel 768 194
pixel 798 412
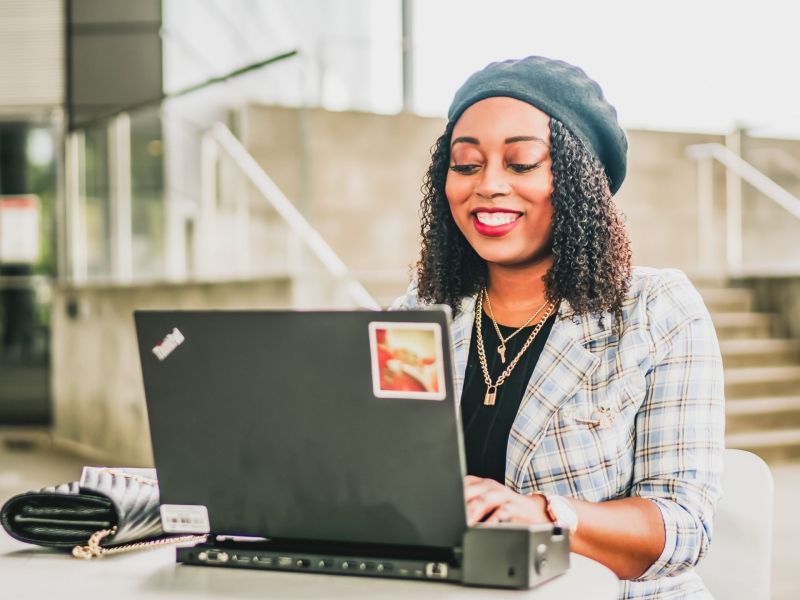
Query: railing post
pixel 242 222
pixel 733 206
pixel 176 261
pixel 119 158
pixel 705 211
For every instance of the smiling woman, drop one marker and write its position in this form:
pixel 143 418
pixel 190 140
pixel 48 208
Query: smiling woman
pixel 591 391
pixel 500 183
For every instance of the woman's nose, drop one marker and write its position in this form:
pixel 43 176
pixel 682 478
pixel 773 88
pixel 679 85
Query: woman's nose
pixel 493 182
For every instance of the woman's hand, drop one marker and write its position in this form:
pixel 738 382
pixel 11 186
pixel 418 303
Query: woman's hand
pixel 491 502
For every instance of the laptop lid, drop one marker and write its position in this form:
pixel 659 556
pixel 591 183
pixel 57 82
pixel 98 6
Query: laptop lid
pixel 328 425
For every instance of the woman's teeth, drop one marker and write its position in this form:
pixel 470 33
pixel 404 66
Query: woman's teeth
pixel 496 218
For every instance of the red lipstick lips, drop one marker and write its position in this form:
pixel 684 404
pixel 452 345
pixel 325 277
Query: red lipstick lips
pixel 492 230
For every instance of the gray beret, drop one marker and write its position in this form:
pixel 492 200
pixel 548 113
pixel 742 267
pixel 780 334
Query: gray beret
pixel 561 90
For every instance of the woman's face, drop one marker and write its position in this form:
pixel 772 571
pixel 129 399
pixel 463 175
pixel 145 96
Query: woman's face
pixel 500 181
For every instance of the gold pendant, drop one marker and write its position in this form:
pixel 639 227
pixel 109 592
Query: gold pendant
pixel 491 395
pixel 501 350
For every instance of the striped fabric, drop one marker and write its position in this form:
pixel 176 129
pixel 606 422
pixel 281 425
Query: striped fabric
pixel 608 416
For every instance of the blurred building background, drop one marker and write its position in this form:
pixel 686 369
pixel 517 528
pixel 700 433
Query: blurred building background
pixel 269 153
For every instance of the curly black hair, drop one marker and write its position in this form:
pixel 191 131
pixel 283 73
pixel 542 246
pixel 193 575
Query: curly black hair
pixel 591 251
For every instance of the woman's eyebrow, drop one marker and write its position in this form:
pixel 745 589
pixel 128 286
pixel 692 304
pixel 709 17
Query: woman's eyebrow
pixel 525 138
pixel 465 139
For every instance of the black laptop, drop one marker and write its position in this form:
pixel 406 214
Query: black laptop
pixel 322 441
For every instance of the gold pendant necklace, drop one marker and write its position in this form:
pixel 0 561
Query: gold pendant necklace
pixel 491 388
pixel 501 349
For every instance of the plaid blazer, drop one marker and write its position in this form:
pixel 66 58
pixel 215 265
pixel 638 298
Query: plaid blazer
pixel 609 415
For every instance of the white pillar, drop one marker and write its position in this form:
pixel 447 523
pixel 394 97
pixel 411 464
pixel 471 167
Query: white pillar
pixel 76 206
pixel 119 159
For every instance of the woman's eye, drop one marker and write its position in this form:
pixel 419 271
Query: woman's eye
pixel 523 167
pixel 464 169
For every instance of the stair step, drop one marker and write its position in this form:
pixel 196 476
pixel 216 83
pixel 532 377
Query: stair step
pixel 727 299
pixel 739 325
pixel 759 352
pixel 762 381
pixel 772 446
pixel 759 345
pixel 767 413
pixel 745 318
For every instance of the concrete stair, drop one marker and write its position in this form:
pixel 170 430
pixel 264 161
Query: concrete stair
pixel 773 446
pixel 743 325
pixel 760 381
pixel 762 374
pixel 769 412
pixel 722 299
pixel 765 352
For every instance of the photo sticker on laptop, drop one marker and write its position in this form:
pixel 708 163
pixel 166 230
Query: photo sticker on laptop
pixel 407 360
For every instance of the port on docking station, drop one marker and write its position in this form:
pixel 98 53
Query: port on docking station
pixel 436 570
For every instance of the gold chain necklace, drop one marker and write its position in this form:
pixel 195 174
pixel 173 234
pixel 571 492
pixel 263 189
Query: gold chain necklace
pixel 491 388
pixel 501 349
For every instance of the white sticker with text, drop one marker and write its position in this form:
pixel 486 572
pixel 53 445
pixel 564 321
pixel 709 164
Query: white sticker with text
pixel 184 518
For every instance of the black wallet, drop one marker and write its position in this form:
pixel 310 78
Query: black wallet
pixel 107 511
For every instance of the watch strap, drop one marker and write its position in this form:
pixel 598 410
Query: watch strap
pixel 551 510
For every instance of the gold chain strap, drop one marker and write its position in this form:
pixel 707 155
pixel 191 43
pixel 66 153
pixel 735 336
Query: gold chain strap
pixel 131 476
pixel 94 550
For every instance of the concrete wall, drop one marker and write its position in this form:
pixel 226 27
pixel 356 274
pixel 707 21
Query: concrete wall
pixel 98 397
pixel 771 238
pixel 659 199
pixel 357 176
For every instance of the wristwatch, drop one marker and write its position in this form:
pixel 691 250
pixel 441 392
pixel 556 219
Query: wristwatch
pixel 561 513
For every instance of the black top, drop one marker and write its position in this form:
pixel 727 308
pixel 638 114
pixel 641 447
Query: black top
pixel 486 428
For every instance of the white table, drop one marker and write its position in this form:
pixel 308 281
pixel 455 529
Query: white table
pixel 32 573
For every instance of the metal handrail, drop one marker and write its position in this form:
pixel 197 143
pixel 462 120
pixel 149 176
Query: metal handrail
pixel 293 218
pixel 749 173
pixel 737 170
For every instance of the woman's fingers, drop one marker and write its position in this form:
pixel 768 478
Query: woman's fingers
pixel 482 505
pixel 500 515
pixel 477 486
pixel 491 502
pixel 479 512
